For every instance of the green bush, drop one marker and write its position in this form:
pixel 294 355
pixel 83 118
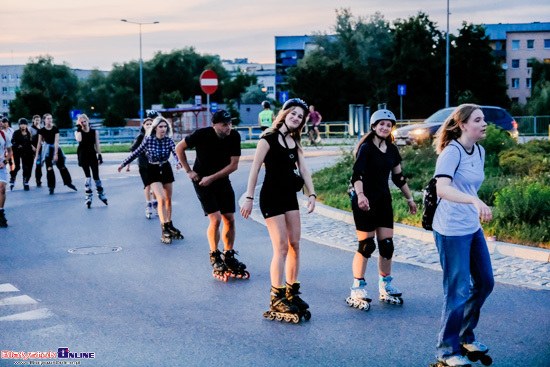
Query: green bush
pixel 531 158
pixel 525 201
pixel 418 165
pixel 496 140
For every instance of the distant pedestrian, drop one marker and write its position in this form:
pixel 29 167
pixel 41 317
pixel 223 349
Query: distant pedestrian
pixel 218 149
pixel 467 271
pixel 52 154
pixel 5 155
pixel 89 157
pixel 315 118
pixel 371 203
pixel 5 126
pixel 158 145
pixel 285 173
pixel 150 205
pixel 265 117
pixel 23 155
pixel 35 128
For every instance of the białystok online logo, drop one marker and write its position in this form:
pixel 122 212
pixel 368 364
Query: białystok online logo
pixel 62 353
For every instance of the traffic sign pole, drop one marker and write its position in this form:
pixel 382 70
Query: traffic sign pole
pixel 209 84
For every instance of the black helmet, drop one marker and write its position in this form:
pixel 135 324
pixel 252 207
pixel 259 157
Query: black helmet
pixel 151 114
pixel 265 104
pixel 295 102
pixel 23 120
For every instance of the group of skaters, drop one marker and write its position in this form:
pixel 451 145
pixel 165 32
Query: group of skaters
pixel 464 257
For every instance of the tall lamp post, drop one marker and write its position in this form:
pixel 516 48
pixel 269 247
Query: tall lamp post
pixel 447 62
pixel 140 67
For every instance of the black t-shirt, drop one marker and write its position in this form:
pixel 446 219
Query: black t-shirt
pixel 279 167
pixel 374 167
pixel 213 153
pixel 49 135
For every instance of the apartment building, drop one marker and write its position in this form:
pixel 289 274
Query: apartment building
pixel 516 46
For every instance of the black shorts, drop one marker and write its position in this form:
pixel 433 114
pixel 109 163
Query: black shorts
pixel 380 214
pixel 143 175
pixel 276 201
pixel 218 197
pixel 159 173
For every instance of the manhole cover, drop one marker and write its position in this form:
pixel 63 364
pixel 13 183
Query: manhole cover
pixel 94 250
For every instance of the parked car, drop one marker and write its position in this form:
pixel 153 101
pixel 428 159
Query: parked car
pixel 418 133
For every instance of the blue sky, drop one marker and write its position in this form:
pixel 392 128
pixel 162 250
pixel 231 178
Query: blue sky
pixel 88 34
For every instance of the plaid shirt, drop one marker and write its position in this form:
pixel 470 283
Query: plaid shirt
pixel 156 150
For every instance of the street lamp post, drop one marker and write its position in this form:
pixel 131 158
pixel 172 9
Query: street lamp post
pixel 140 68
pixel 447 61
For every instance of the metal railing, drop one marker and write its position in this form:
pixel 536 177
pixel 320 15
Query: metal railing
pixel 533 125
pixel 107 135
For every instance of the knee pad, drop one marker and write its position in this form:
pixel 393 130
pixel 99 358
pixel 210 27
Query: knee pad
pixel 385 248
pixel 366 247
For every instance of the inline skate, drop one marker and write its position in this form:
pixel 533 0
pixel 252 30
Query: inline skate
pixel 476 352
pixel 100 192
pixel 12 183
pixel 3 221
pixel 149 210
pixel 219 269
pixel 26 184
pixel 174 232
pixel 166 236
pixel 89 196
pixel 454 361
pixel 235 268
pixel 389 293
pixel 281 308
pixel 359 297
pixel 292 294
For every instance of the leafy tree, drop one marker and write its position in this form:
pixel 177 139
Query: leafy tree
pixel 46 88
pixel 170 100
pixel 232 89
pixel 473 68
pixel 539 104
pixel 345 68
pixel 253 95
pixel 93 96
pixel 417 61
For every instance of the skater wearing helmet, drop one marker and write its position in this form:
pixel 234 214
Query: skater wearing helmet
pixel 218 151
pixel 5 155
pixel 371 201
pixel 467 272
pixel 266 117
pixel 158 145
pixel 279 148
pixel 52 154
pixel 22 153
pixel 89 157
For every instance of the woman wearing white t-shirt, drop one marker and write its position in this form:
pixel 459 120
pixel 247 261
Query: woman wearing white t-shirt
pixel 464 257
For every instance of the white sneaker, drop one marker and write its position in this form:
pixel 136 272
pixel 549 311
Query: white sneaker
pixel 456 361
pixel 475 346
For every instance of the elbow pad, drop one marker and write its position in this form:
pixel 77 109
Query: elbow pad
pixel 398 179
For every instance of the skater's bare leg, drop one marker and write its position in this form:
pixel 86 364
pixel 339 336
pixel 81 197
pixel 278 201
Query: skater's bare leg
pixel 228 234
pixel 213 231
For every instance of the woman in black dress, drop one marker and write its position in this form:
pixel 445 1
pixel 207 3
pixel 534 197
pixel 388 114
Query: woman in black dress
pixel 279 148
pixel 22 153
pixel 89 157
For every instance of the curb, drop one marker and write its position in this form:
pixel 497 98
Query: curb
pixel 495 247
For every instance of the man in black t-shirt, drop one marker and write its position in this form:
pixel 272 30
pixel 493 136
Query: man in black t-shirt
pixel 218 149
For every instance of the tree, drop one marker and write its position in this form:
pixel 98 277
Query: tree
pixel 46 88
pixel 93 96
pixel 232 89
pixel 473 68
pixel 253 95
pixel 539 104
pixel 347 67
pixel 418 62
pixel 170 100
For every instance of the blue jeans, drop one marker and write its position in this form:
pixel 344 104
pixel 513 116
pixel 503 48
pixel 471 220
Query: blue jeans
pixel 467 282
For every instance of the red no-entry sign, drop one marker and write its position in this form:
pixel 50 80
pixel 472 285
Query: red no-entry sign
pixel 209 81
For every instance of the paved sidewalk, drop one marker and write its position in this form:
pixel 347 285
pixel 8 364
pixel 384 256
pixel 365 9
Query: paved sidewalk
pixel 332 227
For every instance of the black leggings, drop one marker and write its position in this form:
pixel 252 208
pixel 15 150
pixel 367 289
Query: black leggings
pixel 65 175
pixel 94 167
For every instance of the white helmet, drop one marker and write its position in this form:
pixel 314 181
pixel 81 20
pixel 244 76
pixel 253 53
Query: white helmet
pixel 382 115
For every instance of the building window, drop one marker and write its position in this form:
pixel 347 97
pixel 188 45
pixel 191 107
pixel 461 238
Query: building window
pixel 5 103
pixel 515 83
pixel 515 45
pixel 529 64
pixel 4 90
pixel 12 90
pixel 10 77
pixel 4 78
pixel 547 43
pixel 515 99
pixel 515 64
pixel 528 82
pixel 498 46
pixel 530 44
pixel 270 89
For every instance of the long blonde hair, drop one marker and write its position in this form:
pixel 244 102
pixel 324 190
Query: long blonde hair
pixel 280 119
pixel 153 129
pixel 450 130
pixel 82 117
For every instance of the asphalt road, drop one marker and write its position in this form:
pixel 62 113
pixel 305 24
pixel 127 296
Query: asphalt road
pixel 150 304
